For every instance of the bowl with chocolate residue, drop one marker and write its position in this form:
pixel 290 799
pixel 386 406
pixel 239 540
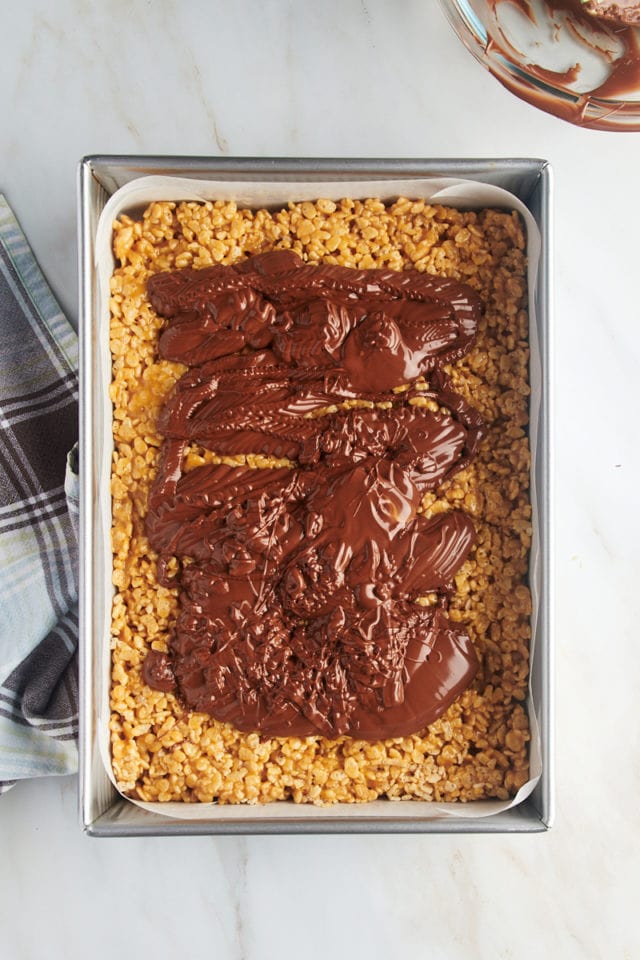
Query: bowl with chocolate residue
pixel 576 59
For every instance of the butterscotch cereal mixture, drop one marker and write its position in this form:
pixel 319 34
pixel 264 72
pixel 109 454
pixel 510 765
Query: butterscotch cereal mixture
pixel 478 749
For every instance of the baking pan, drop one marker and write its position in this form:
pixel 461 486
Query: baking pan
pixel 103 811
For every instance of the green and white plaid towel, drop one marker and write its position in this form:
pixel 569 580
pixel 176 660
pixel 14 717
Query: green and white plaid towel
pixel 38 510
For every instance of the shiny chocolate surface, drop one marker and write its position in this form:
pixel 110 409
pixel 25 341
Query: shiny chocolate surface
pixel 298 582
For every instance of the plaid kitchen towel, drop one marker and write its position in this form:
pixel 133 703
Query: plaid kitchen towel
pixel 38 506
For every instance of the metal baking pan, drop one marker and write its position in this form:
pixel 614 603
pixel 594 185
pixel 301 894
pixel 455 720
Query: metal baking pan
pixel 103 812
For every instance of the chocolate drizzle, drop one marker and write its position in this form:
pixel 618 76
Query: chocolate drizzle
pixel 298 582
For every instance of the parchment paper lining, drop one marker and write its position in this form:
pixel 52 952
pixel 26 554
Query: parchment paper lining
pixel 464 194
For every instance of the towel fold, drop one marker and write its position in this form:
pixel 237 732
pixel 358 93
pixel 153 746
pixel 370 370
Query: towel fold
pixel 38 514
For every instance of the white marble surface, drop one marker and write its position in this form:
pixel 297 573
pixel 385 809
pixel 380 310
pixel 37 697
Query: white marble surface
pixel 347 78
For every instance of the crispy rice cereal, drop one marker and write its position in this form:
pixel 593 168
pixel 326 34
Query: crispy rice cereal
pixel 478 749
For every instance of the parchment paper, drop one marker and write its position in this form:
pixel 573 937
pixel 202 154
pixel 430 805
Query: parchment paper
pixel 139 193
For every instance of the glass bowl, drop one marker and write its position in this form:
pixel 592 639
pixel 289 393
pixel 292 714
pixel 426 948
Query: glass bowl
pixel 580 68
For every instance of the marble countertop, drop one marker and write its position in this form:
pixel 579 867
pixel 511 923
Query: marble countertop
pixel 354 79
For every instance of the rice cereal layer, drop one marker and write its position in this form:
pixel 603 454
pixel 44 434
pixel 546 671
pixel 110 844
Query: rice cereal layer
pixel 478 748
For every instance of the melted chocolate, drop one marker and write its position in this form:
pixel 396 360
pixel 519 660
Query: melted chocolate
pixel 298 583
pixel 157 671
